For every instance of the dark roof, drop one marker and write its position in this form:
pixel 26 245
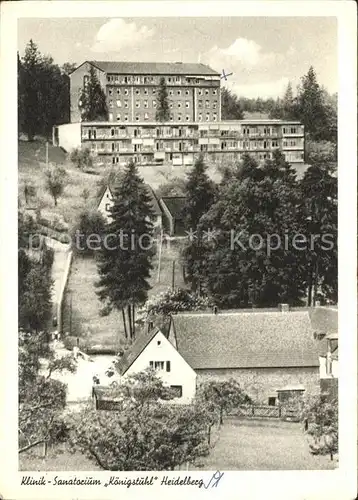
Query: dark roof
pixel 153 199
pixel 324 319
pixel 175 205
pixel 246 340
pixel 135 350
pixel 155 68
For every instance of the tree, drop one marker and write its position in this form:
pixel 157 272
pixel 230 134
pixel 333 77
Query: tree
pixel 36 302
pixel 82 158
pixel 161 438
pixel 88 232
pixel 319 215
pixel 243 261
pixel 226 395
pixel 199 193
pixel 124 261
pixel 41 398
pixel 55 182
pixel 162 113
pixel 321 418
pixel 29 191
pixel 43 93
pixel 230 106
pixel 288 104
pixel 310 106
pixel 174 187
pixel 93 104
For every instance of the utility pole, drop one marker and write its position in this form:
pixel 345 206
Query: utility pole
pixel 46 154
pixel 173 275
pixel 160 255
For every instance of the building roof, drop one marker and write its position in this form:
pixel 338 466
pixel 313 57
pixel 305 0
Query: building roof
pixel 155 68
pixel 175 205
pixel 324 319
pixel 153 199
pixel 246 340
pixel 135 350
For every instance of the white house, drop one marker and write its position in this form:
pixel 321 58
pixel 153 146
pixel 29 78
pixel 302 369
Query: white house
pixel 106 202
pixel 155 351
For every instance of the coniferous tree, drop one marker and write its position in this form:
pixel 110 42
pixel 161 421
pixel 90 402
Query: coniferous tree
pixel 124 261
pixel 310 106
pixel 162 114
pixel 31 90
pixel 199 193
pixel 93 105
pixel 230 106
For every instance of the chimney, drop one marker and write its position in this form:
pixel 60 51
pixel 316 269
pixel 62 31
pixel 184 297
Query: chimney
pixel 284 308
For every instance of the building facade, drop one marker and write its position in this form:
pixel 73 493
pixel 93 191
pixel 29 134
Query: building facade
pixel 131 90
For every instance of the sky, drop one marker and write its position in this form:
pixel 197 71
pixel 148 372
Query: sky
pixel 263 53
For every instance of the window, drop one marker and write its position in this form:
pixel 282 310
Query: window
pixel 179 92
pixel 187 104
pixel 146 116
pixel 177 390
pixel 137 91
pixel 206 91
pixel 207 118
pixel 137 104
pixel 118 117
pixel 157 365
pixel 109 78
pixel 200 92
pixel 145 104
pixel 110 91
pixel 153 91
pixel 110 117
pixel 112 132
pixel 214 117
pixel 272 401
pixel 116 78
pixel 125 91
pixel 85 80
pixel 119 104
pixel 154 104
pixel 215 103
pixel 187 118
pixel 137 118
pixel 170 105
pixel 118 91
pixel 171 92
pixel 179 104
pixel 145 91
pixel 200 104
pixel 187 92
pixel 168 366
pixel 112 146
pixel 111 104
pixel 126 104
pixel 169 79
pixel 177 79
pixel 207 104
pixel 137 79
pixel 125 118
pixel 125 79
pixel 171 118
pixel 215 91
pixel 293 130
pixel 200 117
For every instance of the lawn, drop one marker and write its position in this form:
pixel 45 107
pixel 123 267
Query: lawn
pixel 243 444
pixel 240 445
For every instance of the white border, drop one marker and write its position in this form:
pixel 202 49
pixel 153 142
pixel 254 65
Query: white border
pixel 340 483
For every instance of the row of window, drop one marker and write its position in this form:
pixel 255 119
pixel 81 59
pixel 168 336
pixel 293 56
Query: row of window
pixel 145 79
pixel 179 117
pixel 160 365
pixel 291 143
pixel 145 103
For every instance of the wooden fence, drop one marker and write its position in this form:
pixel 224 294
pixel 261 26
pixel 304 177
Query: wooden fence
pixel 265 411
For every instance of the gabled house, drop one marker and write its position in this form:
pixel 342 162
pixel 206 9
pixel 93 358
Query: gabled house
pixel 155 351
pixel 266 351
pixel 105 202
pixel 172 207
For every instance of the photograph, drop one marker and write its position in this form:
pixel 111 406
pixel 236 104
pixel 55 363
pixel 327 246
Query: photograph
pixel 181 188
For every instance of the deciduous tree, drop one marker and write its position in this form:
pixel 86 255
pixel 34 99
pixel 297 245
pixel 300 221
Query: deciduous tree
pixel 55 182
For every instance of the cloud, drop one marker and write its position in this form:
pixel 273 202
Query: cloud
pixel 117 34
pixel 241 52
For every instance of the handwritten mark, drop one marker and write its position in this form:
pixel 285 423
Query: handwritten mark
pixel 225 75
pixel 214 480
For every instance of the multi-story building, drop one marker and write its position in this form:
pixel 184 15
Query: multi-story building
pixel 194 126
pixel 131 90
